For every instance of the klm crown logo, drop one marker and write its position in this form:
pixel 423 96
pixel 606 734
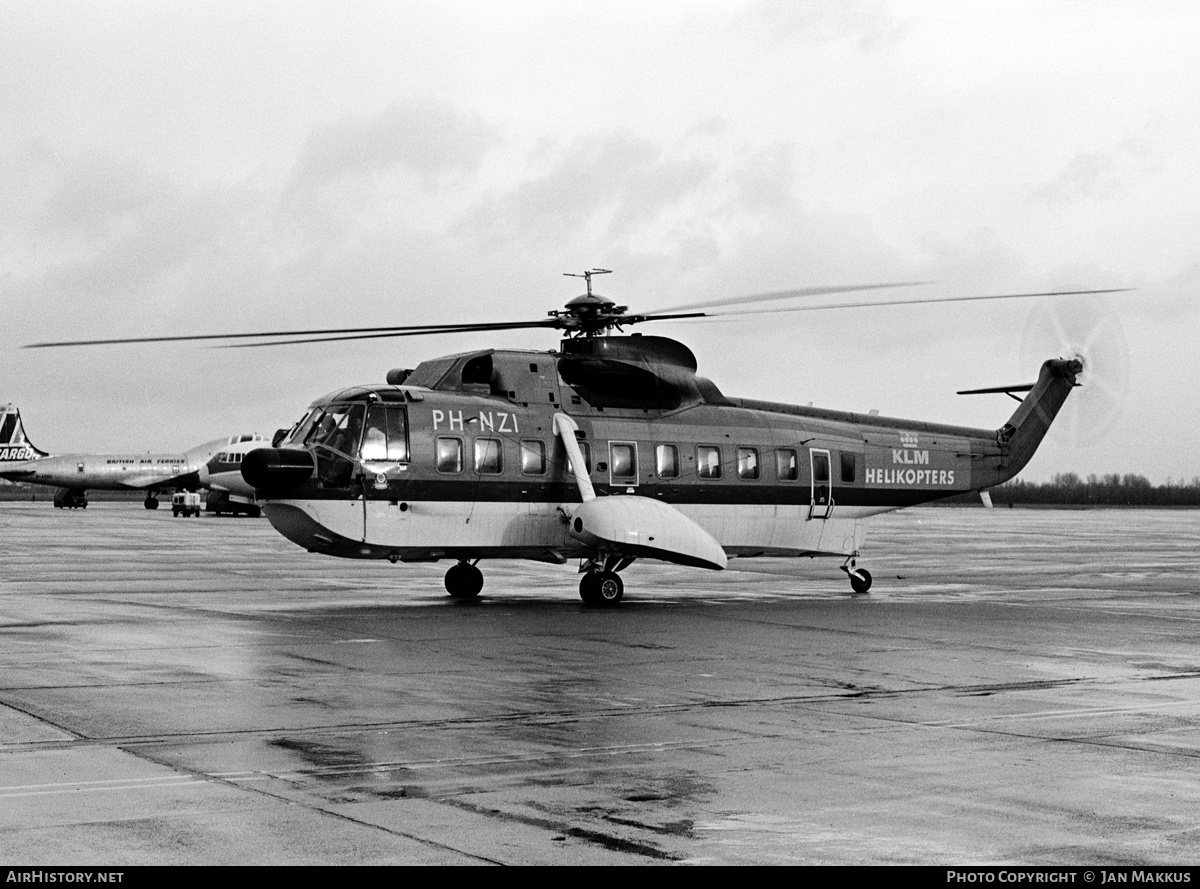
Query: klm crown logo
pixel 909 439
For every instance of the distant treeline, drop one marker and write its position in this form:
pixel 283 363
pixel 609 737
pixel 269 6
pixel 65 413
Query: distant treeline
pixel 1068 489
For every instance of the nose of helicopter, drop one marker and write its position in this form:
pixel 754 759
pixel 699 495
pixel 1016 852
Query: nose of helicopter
pixel 274 471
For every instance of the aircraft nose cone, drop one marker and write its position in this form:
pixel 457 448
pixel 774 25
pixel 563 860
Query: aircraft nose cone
pixel 277 470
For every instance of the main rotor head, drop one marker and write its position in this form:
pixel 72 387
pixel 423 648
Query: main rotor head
pixel 590 314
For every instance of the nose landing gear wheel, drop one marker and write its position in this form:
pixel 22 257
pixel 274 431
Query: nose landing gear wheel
pixel 151 503
pixel 601 588
pixel 464 581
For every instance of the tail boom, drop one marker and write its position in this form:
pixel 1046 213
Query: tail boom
pixel 1020 437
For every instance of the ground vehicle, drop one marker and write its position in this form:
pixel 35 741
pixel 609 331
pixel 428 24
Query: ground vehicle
pixel 185 503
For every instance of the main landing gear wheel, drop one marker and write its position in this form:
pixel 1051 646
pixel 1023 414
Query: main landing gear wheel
pixel 151 502
pixel 464 581
pixel 860 580
pixel 601 588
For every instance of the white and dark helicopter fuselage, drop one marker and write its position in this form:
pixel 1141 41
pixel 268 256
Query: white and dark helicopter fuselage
pixel 610 450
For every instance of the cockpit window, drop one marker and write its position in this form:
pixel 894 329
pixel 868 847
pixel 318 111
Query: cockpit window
pixel 386 434
pixel 303 427
pixel 339 428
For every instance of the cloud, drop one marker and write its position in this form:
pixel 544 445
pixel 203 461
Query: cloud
pixel 868 23
pixel 84 232
pixel 1098 175
pixel 588 178
pixel 632 196
pixel 430 140
pixel 765 181
pixel 1089 175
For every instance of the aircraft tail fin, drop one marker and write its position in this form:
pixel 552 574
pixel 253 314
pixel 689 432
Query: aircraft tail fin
pixel 1028 425
pixel 15 446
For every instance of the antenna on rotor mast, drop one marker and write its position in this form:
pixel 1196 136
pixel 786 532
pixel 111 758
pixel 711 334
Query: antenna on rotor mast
pixel 587 276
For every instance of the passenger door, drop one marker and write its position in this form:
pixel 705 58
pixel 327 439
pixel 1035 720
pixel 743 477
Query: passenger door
pixel 384 457
pixel 821 502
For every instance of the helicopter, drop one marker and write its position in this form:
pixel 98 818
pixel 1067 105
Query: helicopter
pixel 610 449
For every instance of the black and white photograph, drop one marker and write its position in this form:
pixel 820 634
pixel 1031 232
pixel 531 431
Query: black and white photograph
pixel 686 432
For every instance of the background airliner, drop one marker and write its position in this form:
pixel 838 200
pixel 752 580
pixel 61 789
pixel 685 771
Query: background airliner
pixel 213 466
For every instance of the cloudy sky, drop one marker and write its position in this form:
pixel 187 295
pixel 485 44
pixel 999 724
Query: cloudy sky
pixel 171 167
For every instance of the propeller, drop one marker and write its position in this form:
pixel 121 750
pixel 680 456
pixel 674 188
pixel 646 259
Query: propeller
pixel 1086 329
pixel 586 315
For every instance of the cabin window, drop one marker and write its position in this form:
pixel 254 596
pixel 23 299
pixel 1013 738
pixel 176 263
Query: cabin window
pixel 488 456
pixel 449 455
pixel 848 468
pixel 747 463
pixel 666 461
pixel 533 457
pixel 586 450
pixel 786 465
pixel 623 457
pixel 386 434
pixel 708 462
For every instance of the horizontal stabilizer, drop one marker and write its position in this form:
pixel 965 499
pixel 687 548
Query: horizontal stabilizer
pixel 1001 390
pixel 641 527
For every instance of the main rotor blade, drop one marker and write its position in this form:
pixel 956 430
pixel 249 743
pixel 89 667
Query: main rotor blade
pixel 905 302
pixel 385 333
pixel 802 293
pixel 417 329
pixel 618 321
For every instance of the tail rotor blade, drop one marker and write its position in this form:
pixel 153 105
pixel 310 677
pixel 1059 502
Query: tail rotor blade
pixel 1085 329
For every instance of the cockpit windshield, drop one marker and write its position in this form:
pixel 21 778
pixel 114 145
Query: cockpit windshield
pixel 303 426
pixel 339 428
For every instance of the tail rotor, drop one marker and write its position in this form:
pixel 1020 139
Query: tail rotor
pixel 1088 330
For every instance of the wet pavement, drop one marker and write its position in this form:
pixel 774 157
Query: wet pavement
pixel 1020 686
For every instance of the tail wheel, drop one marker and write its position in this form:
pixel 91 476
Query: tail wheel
pixel 860 580
pixel 464 581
